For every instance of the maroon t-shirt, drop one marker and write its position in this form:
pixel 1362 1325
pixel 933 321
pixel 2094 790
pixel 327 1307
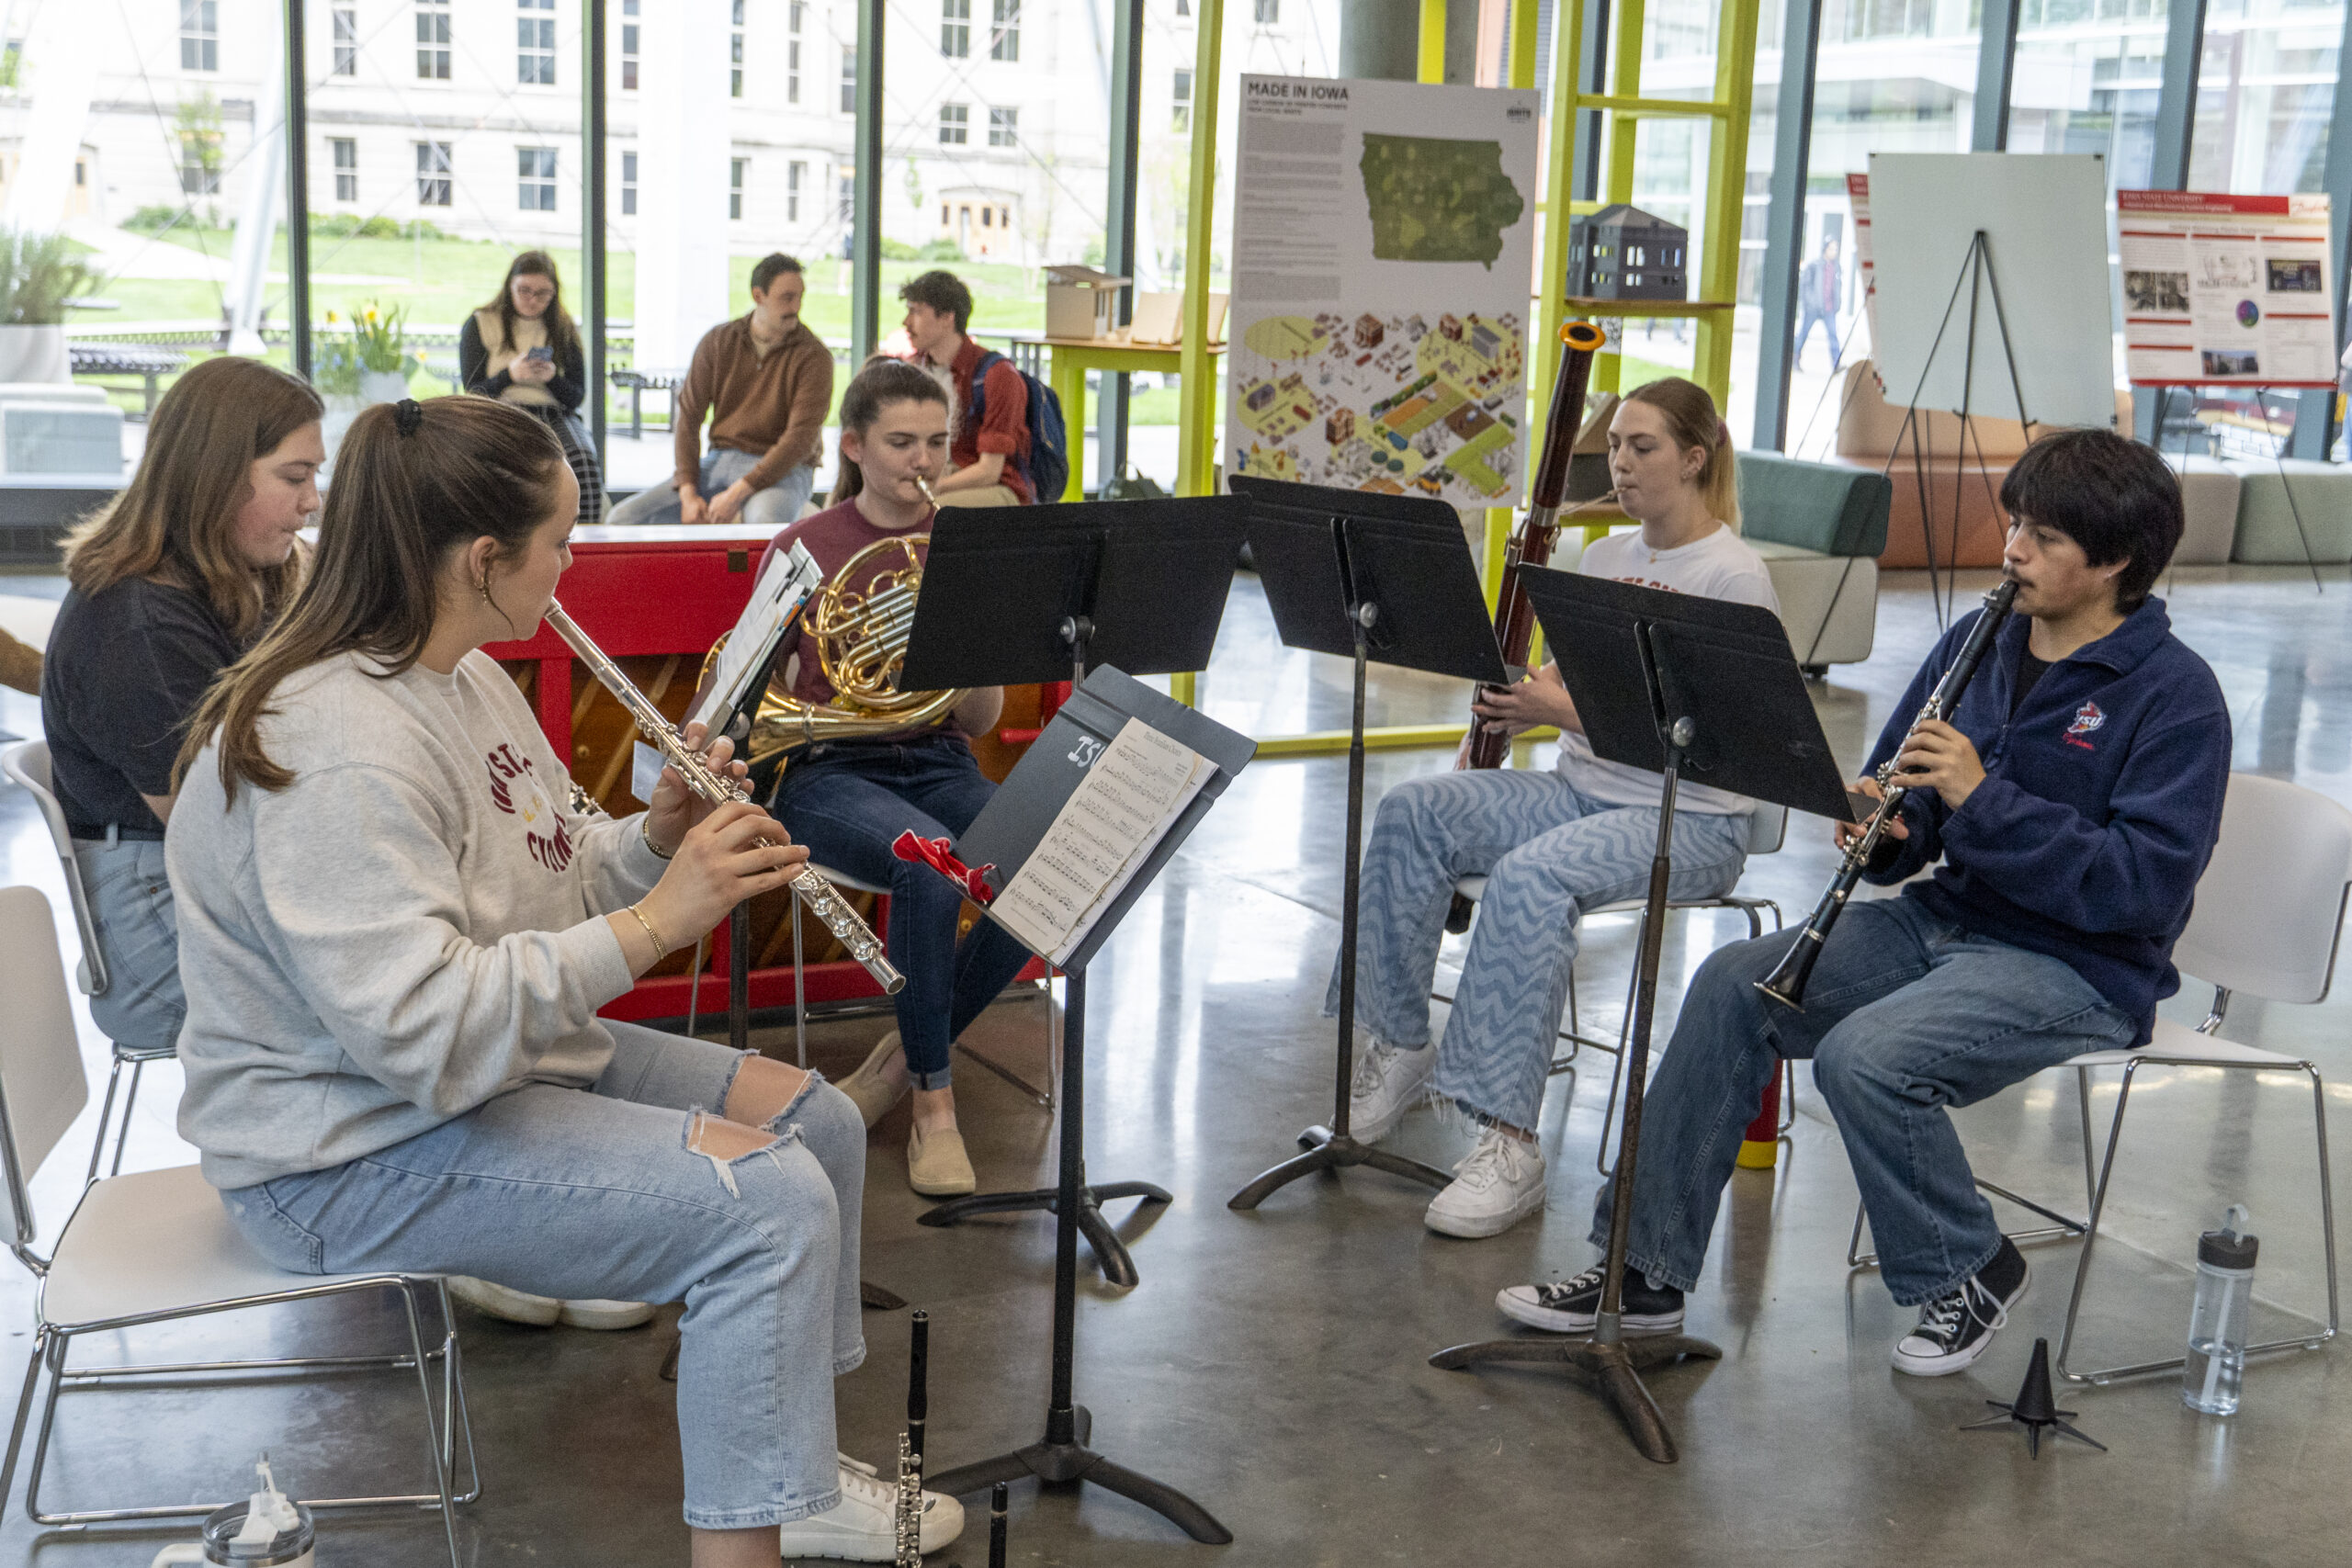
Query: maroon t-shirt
pixel 832 536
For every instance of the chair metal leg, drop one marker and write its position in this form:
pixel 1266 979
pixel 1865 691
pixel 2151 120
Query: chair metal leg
pixel 33 1365
pixel 105 1116
pixel 440 1452
pixel 129 1099
pixel 2098 1203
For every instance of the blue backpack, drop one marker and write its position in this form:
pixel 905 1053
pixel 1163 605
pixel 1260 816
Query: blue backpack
pixel 1048 469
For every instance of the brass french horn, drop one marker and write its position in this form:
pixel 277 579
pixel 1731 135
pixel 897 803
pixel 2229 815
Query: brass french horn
pixel 861 633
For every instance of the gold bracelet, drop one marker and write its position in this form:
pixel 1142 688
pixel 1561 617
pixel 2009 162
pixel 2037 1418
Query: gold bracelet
pixel 645 832
pixel 660 948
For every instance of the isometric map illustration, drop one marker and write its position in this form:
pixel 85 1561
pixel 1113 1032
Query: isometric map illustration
pixel 1395 404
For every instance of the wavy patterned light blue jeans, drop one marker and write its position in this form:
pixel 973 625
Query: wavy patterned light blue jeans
pixel 578 1195
pixel 1549 852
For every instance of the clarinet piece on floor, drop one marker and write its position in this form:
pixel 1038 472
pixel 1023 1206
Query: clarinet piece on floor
pixel 996 1526
pixel 2035 1408
pixel 909 1533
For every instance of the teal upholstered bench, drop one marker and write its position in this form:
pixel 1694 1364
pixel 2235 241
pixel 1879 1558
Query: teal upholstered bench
pixel 1820 528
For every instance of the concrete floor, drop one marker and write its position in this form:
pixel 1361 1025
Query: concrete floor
pixel 1274 1364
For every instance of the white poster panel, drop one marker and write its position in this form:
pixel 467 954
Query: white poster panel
pixel 2228 289
pixel 1382 237
pixel 2044 221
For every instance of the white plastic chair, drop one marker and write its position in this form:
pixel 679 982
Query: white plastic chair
pixel 2268 917
pixel 156 1247
pixel 27 765
pixel 1767 830
pixel 1045 1097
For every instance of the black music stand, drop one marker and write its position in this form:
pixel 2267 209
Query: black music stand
pixel 1005 835
pixel 1040 593
pixel 1689 688
pixel 1366 577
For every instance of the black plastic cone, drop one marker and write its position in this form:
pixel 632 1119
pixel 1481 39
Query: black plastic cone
pixel 2036 1408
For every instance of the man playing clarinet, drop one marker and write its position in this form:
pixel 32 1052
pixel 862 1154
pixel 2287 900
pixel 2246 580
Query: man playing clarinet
pixel 2068 808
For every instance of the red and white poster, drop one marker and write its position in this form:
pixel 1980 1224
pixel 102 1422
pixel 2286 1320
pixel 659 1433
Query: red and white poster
pixel 2229 290
pixel 1858 196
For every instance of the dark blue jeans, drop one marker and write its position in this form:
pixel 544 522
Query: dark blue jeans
pixel 1905 1016
pixel 848 801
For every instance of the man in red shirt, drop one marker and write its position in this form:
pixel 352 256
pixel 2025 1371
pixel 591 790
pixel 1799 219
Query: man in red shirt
pixel 991 454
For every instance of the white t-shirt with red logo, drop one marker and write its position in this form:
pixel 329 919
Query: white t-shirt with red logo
pixel 1719 566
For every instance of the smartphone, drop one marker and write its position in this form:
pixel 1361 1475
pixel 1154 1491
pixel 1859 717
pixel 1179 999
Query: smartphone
pixel 542 353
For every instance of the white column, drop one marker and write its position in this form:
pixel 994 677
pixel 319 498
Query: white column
pixel 682 147
pixel 247 290
pixel 62 70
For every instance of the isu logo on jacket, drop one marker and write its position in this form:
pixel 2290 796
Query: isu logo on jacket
pixel 543 828
pixel 2087 718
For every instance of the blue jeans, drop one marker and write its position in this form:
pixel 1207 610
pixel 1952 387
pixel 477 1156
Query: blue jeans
pixel 1905 1015
pixel 577 1195
pixel 1548 851
pixel 139 935
pixel 722 465
pixel 848 801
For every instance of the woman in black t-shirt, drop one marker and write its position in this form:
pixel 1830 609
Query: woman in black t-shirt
pixel 171 583
pixel 522 348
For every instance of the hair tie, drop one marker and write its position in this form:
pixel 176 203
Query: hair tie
pixel 407 415
pixel 1723 433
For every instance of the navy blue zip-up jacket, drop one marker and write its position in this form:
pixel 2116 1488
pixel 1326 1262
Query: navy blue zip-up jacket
pixel 2100 805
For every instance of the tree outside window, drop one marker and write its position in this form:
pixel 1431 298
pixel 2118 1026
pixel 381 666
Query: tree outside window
pixel 197 125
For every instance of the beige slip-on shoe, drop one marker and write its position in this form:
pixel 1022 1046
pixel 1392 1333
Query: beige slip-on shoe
pixel 938 1166
pixel 868 1086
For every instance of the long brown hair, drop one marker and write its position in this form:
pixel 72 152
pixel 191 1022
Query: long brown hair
pixel 1691 415
pixel 562 336
pixel 872 389
pixel 401 504
pixel 177 518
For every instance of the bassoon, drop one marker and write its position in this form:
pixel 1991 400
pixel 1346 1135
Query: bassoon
pixel 1532 544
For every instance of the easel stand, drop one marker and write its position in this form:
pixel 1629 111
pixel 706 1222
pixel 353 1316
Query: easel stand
pixel 1690 686
pixel 1977 277
pixel 1346 572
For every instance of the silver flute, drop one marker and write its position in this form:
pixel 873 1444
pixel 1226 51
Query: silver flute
pixel 823 899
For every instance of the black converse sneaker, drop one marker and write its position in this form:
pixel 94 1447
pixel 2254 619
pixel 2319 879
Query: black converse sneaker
pixel 1956 1327
pixel 1568 1306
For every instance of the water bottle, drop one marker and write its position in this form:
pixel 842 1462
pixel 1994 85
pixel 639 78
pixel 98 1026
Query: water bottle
pixel 2217 1323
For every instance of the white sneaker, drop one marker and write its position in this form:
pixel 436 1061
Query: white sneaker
pixel 1499 1184
pixel 1389 1080
pixel 511 1305
pixel 863 1527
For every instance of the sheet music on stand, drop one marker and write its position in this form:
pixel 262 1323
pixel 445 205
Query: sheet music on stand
pixel 1134 791
pixel 791 580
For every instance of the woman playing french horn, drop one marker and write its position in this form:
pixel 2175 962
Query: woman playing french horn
pixel 847 799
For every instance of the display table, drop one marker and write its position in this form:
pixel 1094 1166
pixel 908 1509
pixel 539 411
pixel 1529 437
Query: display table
pixel 1069 359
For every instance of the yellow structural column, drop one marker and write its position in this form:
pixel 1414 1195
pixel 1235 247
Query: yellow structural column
pixel 1727 191
pixel 1196 405
pixel 1197 433
pixel 1432 60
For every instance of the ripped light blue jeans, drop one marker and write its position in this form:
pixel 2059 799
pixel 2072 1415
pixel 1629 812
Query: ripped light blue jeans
pixel 577 1195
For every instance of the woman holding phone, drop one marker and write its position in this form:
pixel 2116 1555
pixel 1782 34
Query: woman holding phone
pixel 522 348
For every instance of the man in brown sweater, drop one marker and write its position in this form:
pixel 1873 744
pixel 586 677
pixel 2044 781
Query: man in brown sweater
pixel 766 382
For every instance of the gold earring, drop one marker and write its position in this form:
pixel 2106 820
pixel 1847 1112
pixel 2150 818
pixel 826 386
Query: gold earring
pixel 482 588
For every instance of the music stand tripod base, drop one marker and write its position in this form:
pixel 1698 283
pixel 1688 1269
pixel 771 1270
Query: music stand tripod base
pixel 1613 1367
pixel 1327 1150
pixel 1110 1253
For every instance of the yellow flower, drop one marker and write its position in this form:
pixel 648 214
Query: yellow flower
pixel 333 317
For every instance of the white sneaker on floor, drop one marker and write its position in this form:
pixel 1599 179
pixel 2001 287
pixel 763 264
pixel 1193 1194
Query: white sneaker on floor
pixel 1389 1080
pixel 863 1527
pixel 545 1312
pixel 1497 1185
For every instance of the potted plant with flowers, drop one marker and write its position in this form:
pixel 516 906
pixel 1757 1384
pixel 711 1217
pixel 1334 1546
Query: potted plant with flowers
pixel 39 273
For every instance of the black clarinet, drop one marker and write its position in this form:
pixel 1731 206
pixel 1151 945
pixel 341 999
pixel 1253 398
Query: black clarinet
pixel 1786 983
